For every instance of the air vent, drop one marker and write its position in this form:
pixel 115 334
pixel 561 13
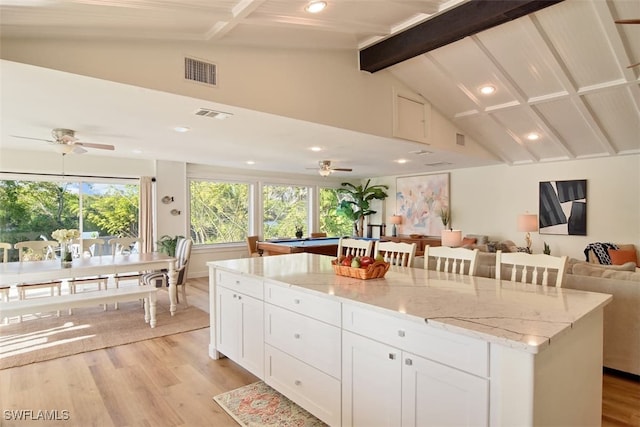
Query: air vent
pixel 205 112
pixel 438 164
pixel 459 139
pixel 200 71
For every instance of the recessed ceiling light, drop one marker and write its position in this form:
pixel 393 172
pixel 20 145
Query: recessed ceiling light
pixel 316 6
pixel 315 148
pixel 250 162
pixel 487 90
pixel 533 136
pixel 181 129
pixel 401 161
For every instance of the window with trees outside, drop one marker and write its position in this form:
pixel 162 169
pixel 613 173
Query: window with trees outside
pixel 32 210
pixel 330 222
pixel 285 207
pixel 219 211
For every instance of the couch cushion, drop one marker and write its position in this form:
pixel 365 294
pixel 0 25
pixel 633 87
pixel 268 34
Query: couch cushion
pixel 622 275
pixel 622 256
pixel 596 270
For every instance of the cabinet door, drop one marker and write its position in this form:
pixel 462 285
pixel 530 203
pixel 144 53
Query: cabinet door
pixel 435 394
pixel 371 382
pixel 240 329
pixel 227 322
pixel 251 350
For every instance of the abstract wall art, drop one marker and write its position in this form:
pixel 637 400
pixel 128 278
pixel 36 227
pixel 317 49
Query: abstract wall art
pixel 419 200
pixel 563 207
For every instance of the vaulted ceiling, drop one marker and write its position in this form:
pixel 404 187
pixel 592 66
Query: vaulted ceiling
pixel 560 73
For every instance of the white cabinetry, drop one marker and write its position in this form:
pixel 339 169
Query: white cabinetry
pixel 391 380
pixel 302 350
pixel 240 321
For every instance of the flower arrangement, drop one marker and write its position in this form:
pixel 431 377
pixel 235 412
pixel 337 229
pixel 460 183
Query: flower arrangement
pixel 63 235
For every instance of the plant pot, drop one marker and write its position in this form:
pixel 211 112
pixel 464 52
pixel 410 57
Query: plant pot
pixel 299 234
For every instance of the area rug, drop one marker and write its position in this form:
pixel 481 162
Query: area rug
pixel 44 337
pixel 258 405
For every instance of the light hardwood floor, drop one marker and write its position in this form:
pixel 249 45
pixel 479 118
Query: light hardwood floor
pixel 171 381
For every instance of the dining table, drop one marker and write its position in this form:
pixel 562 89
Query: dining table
pixel 32 271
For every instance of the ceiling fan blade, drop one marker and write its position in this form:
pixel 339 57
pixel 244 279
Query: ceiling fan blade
pixel 35 139
pixel 627 21
pixel 342 169
pixel 94 145
pixel 634 65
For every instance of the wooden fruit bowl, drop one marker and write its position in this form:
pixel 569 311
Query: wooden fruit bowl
pixel 376 270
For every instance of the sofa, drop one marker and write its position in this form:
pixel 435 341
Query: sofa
pixel 621 315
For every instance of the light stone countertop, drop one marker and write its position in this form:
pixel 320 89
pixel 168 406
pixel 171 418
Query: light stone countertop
pixel 521 316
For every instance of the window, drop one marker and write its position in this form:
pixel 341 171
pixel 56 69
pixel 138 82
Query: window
pixel 285 207
pixel 32 210
pixel 219 211
pixel 330 222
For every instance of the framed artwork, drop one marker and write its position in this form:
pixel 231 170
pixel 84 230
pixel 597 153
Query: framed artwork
pixel 419 201
pixel 563 207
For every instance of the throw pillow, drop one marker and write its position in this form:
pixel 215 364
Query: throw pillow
pixel 468 241
pixel 619 256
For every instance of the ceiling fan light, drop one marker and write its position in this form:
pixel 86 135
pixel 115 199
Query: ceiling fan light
pixel 324 172
pixel 316 6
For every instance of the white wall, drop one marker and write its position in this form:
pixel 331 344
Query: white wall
pixel 488 200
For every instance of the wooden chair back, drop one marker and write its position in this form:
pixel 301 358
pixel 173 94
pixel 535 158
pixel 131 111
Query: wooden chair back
pixel 95 247
pixel 531 268
pixel 42 249
pixel 452 260
pixel 355 247
pixel 5 251
pixel 252 246
pixel 396 253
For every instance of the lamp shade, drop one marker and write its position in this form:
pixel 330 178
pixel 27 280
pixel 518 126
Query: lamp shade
pixel 395 219
pixel 528 222
pixel 451 238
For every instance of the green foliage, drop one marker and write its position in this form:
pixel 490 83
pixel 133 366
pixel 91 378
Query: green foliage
pixel 167 244
pixel 547 249
pixel 219 212
pixel 115 212
pixel 356 205
pixel 331 222
pixel 285 206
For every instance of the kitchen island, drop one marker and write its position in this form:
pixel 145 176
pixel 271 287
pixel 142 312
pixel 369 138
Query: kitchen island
pixel 414 348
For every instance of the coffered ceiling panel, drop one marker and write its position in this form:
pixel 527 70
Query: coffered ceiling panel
pixel 614 110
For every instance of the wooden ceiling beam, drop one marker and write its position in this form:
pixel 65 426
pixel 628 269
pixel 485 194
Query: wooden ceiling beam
pixel 462 21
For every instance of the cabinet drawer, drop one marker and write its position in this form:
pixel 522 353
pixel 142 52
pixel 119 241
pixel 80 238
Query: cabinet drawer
pixel 240 283
pixel 317 307
pixel 459 351
pixel 310 388
pixel 313 342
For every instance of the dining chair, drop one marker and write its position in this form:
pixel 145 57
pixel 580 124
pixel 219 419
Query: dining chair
pixel 451 260
pixel 252 246
pixel 527 267
pixel 33 251
pixel 396 253
pixel 354 247
pixel 4 289
pixel 122 246
pixel 161 279
pixel 316 235
pixel 88 248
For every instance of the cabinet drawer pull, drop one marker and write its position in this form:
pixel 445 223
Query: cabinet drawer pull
pixel 235 296
pixel 296 336
pixel 296 301
pixel 408 362
pixel 297 382
pixel 239 296
pixel 237 282
pixel 401 333
pixel 392 356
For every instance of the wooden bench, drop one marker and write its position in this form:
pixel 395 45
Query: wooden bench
pixel 84 299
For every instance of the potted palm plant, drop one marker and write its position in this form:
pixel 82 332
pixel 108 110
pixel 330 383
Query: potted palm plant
pixel 356 205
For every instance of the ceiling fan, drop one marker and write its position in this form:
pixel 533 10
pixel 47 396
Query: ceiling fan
pixel 629 21
pixel 68 142
pixel 325 168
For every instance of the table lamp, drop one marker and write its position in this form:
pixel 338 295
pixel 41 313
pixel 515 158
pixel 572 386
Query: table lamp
pixel 528 223
pixel 451 238
pixel 395 219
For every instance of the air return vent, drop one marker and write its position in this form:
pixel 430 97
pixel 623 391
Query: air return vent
pixel 200 71
pixel 205 112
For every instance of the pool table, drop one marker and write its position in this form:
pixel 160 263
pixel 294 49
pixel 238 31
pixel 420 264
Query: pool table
pixel 320 245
